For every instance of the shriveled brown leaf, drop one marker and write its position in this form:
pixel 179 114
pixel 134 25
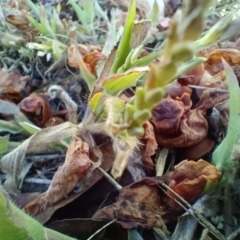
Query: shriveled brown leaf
pixel 176 125
pixel 37 107
pixel 217 81
pixel 11 85
pixel 139 204
pixel 175 89
pixel 189 179
pixel 92 59
pixel 198 150
pixel 167 115
pixel 108 154
pixel 13 163
pixel 17 20
pixel 149 144
pixel 214 59
pixel 213 97
pixel 193 76
pixel 199 76
pixel 83 49
pixel 75 168
pixel 139 33
pixel 144 204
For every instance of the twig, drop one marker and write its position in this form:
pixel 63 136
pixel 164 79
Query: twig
pixel 99 230
pixel 204 235
pixel 110 179
pixel 208 88
pixel 38 180
pixel 234 234
pixel 201 219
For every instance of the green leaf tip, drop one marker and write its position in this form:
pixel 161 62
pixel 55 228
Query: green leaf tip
pixel 222 154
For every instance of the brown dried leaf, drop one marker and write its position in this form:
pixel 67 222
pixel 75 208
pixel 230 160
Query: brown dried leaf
pixel 189 179
pixel 83 50
pixel 13 163
pixel 37 107
pixel 144 204
pixel 176 125
pixel 139 33
pixel 17 20
pixel 105 147
pixel 75 168
pixel 213 97
pixel 214 62
pixel 149 145
pixel 198 150
pixel 193 76
pixel 139 204
pixel 175 89
pixel 92 59
pixel 11 85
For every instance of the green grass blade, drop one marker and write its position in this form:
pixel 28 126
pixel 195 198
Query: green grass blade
pixel 44 22
pixel 116 84
pixel 4 144
pixel 89 10
pixel 222 154
pixel 10 127
pixel 125 42
pixel 82 16
pixel 37 25
pixel 33 7
pixel 15 224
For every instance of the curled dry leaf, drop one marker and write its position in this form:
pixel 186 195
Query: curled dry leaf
pixel 139 204
pixel 11 85
pixel 198 150
pixel 213 97
pixel 193 76
pixel 149 144
pixel 17 20
pixel 201 77
pixel 75 168
pixel 176 125
pixel 214 59
pixel 175 89
pixel 217 81
pixel 37 107
pixel 12 163
pixel 92 59
pixel 83 50
pixel 144 204
pixel 189 179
